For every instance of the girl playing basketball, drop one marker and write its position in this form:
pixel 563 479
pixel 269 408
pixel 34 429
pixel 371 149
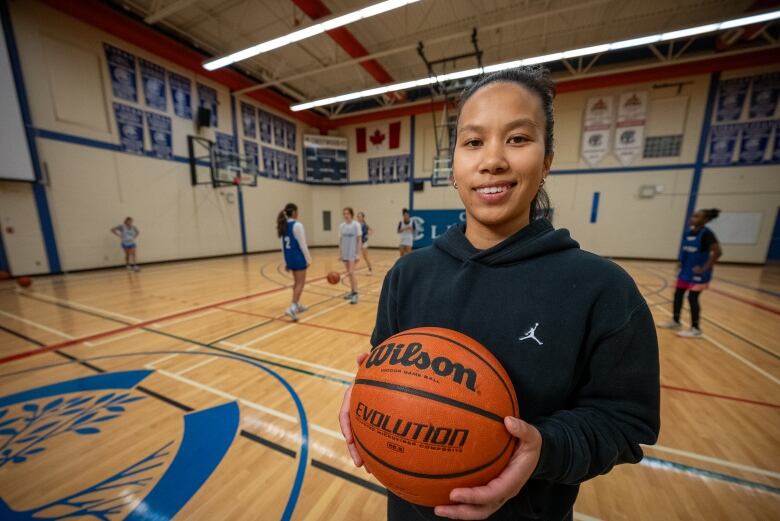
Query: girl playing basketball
pixel 128 233
pixel 349 246
pixel 296 254
pixel 365 231
pixel 699 252
pixel 571 329
pixel 406 229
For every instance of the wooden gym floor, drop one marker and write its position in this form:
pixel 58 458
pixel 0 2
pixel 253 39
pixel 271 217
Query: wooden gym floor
pixel 186 386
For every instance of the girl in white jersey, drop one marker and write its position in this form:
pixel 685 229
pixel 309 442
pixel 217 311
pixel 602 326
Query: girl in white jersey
pixel 296 254
pixel 128 233
pixel 406 229
pixel 349 246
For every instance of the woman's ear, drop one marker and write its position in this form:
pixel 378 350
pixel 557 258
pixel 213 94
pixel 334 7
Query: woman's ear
pixel 548 159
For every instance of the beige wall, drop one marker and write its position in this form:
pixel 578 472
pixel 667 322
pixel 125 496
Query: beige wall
pixel 24 244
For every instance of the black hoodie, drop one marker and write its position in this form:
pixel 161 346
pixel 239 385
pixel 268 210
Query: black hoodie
pixel 572 331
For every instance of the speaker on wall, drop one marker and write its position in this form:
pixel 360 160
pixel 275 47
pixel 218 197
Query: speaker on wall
pixel 203 117
pixel 418 186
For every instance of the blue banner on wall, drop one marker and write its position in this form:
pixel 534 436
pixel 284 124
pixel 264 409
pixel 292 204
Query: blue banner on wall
pixel 279 131
pixel 763 98
pixel 121 67
pixel 723 141
pixel 225 142
pixel 776 145
pixel 290 136
pixel 251 152
pixel 160 135
pixel 181 95
pixel 153 79
pixel 731 98
pixel 249 120
pixel 130 123
pixel 266 126
pixel 208 98
pixel 269 167
pixel 430 224
pixel 292 168
pixel 755 138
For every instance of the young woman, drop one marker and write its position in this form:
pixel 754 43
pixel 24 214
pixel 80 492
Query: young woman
pixel 571 328
pixel 365 231
pixel 699 252
pixel 406 229
pixel 349 246
pixel 128 233
pixel 296 254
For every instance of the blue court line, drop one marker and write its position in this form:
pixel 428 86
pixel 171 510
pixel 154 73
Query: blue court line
pixel 594 210
pixel 292 500
pixel 652 462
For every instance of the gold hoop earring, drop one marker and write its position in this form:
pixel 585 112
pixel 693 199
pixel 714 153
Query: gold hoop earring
pixel 542 183
pixel 455 185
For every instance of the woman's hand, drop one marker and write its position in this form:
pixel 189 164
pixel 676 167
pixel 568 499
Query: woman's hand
pixel 346 426
pixel 481 502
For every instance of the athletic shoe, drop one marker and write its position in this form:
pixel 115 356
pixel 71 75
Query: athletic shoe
pixel 136 268
pixel 291 312
pixel 690 333
pixel 354 299
pixel 670 324
pixel 348 295
pixel 300 308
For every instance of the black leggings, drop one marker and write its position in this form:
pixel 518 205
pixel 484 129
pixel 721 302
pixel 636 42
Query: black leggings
pixel 693 301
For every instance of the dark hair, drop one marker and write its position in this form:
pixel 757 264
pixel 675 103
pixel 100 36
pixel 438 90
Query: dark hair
pixel 350 210
pixel 538 81
pixel 405 210
pixel 710 214
pixel 281 220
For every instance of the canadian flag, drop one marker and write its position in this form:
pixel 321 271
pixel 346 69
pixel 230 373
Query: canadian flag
pixel 382 136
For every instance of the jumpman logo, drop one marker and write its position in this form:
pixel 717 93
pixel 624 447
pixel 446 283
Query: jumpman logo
pixel 531 333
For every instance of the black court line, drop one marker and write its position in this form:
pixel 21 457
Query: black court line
pixel 243 433
pixel 198 343
pixel 23 337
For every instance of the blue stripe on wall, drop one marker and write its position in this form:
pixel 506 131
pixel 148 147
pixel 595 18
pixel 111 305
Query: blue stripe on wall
pixel 594 209
pixel 239 191
pixel 39 191
pixel 411 166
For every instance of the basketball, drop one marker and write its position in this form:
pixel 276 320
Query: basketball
pixel 4 275
pixel 427 413
pixel 24 281
pixel 334 277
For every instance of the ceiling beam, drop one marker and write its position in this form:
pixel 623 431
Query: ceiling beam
pixel 168 10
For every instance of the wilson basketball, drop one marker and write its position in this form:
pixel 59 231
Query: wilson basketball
pixel 427 414
pixel 24 281
pixel 334 277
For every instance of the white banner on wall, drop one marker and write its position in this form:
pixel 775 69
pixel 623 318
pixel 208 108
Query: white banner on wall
pixel 630 128
pixel 599 116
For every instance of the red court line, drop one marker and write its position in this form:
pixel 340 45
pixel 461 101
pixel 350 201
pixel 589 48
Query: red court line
pixel 722 396
pixel 747 301
pixel 130 327
pixel 308 324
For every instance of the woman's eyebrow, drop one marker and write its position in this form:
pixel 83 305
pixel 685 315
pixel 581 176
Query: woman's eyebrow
pixel 519 122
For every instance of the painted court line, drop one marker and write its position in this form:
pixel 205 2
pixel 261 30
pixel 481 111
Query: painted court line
pixel 717 461
pixel 746 301
pixel 272 333
pixel 36 325
pixel 262 408
pixel 239 347
pixel 78 305
pixel 583 517
pixel 732 353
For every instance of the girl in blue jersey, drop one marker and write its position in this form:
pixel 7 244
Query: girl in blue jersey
pixel 296 254
pixel 699 252
pixel 128 233
pixel 365 232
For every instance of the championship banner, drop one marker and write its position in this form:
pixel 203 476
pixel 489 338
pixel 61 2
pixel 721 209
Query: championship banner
pixel 630 128
pixel 763 97
pixel 181 94
pixel 279 131
pixel 225 142
pixel 731 98
pixel 249 120
pixel 430 224
pixel 599 116
pixel 723 141
pixel 755 138
pixel 324 158
pixel 251 151
pixel 266 126
pixel 269 164
pixel 121 68
pixel 207 97
pixel 153 79
pixel 776 145
pixel 130 123
pixel 290 135
pixel 160 135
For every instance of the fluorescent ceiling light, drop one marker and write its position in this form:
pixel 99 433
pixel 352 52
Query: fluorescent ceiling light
pixel 308 32
pixel 585 51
